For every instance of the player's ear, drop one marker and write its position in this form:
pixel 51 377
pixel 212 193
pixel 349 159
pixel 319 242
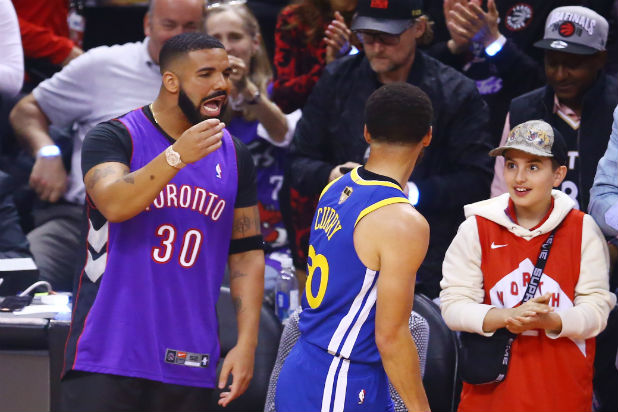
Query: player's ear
pixel 427 139
pixel 170 82
pixel 366 135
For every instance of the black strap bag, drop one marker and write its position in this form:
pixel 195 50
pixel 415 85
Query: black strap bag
pixel 484 359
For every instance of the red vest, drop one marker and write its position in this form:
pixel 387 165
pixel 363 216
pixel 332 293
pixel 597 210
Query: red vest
pixel 544 374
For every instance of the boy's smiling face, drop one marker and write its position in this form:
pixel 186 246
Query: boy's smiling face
pixel 530 179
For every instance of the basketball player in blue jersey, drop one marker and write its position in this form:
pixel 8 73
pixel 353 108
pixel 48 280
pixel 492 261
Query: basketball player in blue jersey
pixel 171 199
pixel 366 243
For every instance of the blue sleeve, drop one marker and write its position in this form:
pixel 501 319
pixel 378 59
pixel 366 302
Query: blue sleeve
pixel 604 192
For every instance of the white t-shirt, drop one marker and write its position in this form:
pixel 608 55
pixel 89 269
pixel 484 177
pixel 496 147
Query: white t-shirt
pixel 101 84
pixel 12 61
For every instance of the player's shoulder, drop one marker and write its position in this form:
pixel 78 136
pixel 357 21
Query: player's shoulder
pixel 399 221
pixel 408 217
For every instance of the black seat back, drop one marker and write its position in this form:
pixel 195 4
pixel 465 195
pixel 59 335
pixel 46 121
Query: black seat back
pixel 440 379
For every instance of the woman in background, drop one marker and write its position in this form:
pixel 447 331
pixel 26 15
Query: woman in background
pixel 309 35
pixel 253 118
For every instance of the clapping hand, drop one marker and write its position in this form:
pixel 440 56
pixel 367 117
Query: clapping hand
pixel 337 38
pixel 467 22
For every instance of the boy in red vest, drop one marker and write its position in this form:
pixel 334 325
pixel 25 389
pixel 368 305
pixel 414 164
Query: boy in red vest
pixel 489 264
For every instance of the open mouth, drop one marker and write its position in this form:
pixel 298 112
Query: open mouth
pixel 521 190
pixel 212 107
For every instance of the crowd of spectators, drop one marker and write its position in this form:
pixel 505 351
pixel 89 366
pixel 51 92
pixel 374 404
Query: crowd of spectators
pixel 487 66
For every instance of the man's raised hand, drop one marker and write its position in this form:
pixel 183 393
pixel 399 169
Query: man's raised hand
pixel 200 140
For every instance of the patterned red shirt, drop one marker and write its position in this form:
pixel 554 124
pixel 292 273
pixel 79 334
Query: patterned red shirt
pixel 298 62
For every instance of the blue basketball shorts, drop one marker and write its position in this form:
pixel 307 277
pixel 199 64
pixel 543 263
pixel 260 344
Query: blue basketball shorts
pixel 313 380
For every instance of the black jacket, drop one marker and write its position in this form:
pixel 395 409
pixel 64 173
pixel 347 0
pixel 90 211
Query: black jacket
pixel 589 141
pixel 454 170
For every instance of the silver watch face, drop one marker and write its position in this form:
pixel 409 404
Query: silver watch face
pixel 172 157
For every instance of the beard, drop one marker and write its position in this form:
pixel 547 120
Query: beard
pixel 192 112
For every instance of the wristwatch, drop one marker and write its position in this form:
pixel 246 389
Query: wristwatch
pixel 173 158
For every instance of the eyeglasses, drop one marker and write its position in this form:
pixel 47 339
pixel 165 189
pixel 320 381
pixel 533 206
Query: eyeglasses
pixel 369 37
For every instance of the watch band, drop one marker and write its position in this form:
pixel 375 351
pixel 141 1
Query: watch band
pixel 173 158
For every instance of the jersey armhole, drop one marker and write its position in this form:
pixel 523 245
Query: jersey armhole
pixel 377 205
pixel 328 187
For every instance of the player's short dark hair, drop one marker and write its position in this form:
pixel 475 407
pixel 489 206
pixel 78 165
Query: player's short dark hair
pixel 399 113
pixel 184 43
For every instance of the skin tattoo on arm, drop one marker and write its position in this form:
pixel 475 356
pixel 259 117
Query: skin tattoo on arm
pixel 247 223
pixel 99 174
pixel 242 225
pixel 237 304
pixel 128 178
pixel 236 274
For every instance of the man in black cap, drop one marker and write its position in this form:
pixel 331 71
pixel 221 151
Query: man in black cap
pixel 454 171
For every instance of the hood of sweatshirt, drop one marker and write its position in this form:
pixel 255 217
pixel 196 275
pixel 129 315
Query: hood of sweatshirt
pixel 494 209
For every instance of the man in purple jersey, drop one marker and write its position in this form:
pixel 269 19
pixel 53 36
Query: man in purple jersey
pixel 171 198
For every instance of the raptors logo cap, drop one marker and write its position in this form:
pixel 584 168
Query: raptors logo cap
pixel 535 137
pixel 387 16
pixel 574 29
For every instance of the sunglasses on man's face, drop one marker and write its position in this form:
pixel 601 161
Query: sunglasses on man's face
pixel 370 37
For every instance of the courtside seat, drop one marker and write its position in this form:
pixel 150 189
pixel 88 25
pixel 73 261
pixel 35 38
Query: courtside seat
pixel 419 328
pixel 440 379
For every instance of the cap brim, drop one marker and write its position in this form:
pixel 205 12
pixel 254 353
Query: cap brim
pixel 565 46
pixel 499 151
pixel 383 25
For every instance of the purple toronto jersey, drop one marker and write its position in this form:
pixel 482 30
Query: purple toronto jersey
pixel 153 312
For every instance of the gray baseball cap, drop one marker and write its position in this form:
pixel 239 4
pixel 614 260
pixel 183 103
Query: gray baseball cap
pixel 535 137
pixel 574 29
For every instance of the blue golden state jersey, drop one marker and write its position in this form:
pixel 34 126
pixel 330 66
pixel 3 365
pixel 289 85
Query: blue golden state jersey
pixel 340 295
